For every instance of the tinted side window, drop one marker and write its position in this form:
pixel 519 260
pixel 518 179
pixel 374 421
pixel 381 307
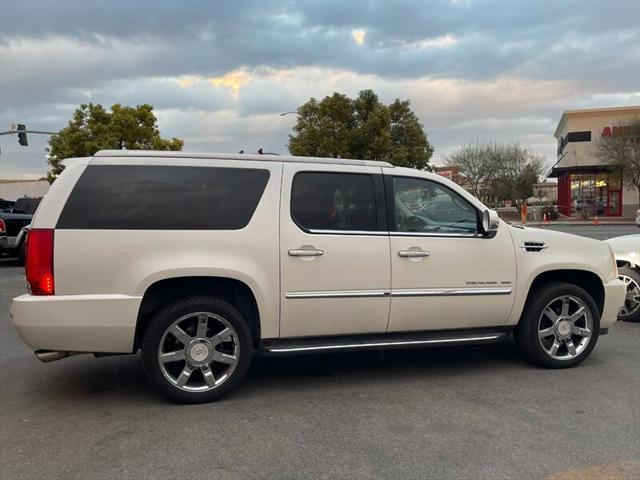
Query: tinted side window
pixel 424 206
pixel 333 201
pixel 145 197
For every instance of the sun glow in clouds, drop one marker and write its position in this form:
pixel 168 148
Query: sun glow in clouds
pixel 233 80
pixel 358 36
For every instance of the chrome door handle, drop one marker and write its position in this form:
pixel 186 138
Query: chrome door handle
pixel 413 253
pixel 305 252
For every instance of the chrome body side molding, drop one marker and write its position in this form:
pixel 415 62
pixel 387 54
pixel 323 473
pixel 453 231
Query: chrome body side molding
pixel 339 294
pixel 450 292
pixel 429 292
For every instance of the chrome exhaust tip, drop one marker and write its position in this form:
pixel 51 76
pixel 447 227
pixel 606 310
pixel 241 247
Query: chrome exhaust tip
pixel 53 355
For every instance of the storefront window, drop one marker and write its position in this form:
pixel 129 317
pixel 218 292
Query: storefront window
pixel 595 194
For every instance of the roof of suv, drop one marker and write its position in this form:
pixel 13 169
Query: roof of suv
pixel 240 156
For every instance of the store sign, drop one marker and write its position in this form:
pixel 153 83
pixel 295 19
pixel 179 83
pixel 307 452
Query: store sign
pixel 613 131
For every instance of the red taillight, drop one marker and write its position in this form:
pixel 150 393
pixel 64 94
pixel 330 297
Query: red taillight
pixel 39 261
pixel 3 226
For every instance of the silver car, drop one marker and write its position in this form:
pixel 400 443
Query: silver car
pixel 627 252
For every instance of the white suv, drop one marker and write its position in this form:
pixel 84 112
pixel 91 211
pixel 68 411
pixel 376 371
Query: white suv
pixel 199 260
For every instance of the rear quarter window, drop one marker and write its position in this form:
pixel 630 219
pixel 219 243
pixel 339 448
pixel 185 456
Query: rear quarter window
pixel 146 197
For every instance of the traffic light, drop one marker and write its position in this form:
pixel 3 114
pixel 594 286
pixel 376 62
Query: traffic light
pixel 22 135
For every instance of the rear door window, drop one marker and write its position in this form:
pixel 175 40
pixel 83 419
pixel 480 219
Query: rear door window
pixel 149 197
pixel 322 201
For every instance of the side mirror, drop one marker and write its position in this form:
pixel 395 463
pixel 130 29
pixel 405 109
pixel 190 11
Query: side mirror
pixel 490 221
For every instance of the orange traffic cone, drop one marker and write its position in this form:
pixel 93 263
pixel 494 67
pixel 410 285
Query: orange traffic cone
pixel 595 220
pixel 545 219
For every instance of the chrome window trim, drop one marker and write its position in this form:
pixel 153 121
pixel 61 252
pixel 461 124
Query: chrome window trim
pixel 424 234
pixel 397 234
pixel 384 344
pixel 428 292
pixel 348 232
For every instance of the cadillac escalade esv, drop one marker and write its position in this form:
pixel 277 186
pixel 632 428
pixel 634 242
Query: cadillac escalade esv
pixel 199 260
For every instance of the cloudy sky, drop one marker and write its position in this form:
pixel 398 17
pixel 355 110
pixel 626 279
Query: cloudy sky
pixel 219 74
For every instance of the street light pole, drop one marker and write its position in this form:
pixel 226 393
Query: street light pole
pixel 287 113
pixel 13 132
pixel 21 131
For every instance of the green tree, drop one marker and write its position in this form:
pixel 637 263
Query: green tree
pixel 93 128
pixel 362 128
pixel 621 150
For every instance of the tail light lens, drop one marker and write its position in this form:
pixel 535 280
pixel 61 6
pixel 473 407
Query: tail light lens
pixel 39 261
pixel 3 226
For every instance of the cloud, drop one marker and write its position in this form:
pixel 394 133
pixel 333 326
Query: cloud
pixel 219 74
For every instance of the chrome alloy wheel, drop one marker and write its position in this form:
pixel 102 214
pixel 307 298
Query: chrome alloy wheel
pixel 632 299
pixel 198 351
pixel 565 327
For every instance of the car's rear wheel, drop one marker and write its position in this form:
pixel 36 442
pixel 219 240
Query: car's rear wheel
pixel 559 327
pixel 630 311
pixel 197 349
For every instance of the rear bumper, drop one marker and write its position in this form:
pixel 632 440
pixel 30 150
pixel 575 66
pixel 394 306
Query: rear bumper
pixel 77 323
pixel 614 295
pixel 8 243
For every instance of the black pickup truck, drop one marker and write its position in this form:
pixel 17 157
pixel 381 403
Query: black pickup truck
pixel 13 223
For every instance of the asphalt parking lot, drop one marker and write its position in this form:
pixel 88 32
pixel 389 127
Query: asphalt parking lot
pixel 467 412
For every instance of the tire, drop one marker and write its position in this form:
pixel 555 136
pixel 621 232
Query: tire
pixel 630 312
pixel 206 345
pixel 548 342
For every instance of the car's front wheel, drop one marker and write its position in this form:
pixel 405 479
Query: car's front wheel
pixel 196 349
pixel 559 327
pixel 630 311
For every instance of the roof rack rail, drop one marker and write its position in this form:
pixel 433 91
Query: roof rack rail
pixel 240 156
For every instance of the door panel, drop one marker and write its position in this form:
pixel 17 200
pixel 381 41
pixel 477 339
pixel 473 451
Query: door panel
pixel 443 274
pixel 335 279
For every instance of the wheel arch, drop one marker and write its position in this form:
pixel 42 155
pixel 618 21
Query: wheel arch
pixel 627 263
pixel 585 279
pixel 167 290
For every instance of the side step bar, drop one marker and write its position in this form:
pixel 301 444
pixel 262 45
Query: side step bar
pixel 301 345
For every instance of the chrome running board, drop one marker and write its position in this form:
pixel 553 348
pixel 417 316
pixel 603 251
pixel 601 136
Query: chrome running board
pixel 301 345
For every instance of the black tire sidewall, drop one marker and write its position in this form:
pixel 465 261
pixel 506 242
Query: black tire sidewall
pixel 167 315
pixel 630 272
pixel 526 333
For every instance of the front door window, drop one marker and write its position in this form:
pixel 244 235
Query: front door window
pixel 423 206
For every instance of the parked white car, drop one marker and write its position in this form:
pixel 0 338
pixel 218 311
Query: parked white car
pixel 226 254
pixel 627 252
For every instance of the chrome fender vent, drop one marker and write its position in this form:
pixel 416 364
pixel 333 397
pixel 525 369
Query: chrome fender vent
pixel 533 246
